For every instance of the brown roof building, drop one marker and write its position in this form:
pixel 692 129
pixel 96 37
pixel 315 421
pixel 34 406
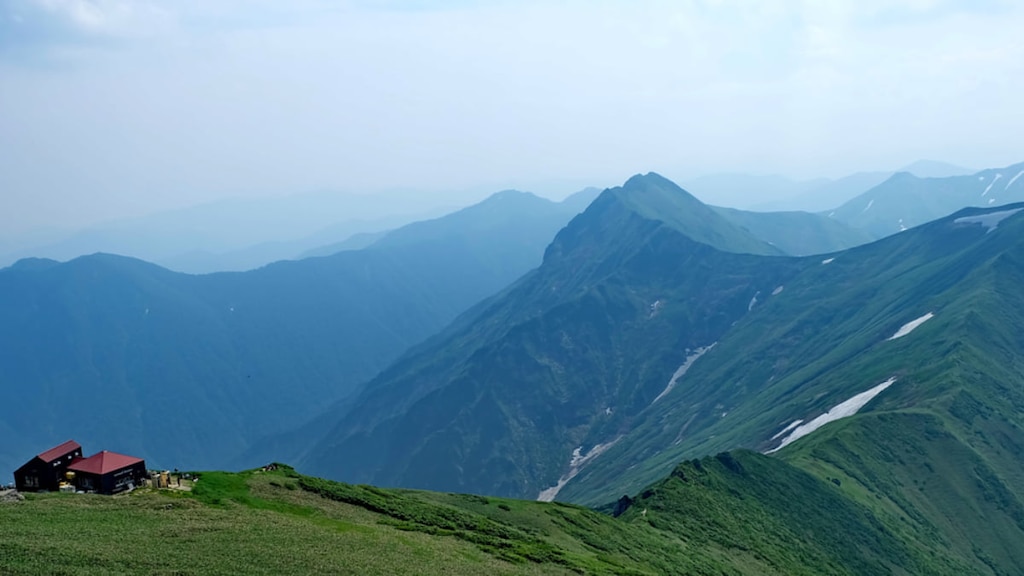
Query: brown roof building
pixel 108 472
pixel 104 472
pixel 46 470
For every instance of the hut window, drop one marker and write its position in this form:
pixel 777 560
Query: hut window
pixel 31 481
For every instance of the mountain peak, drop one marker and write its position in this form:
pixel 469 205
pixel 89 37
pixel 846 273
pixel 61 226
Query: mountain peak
pixel 654 197
pixel 935 169
pixel 650 178
pixel 510 194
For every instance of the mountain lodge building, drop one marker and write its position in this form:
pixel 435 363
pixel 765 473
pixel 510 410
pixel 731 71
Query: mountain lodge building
pixel 105 472
pixel 46 470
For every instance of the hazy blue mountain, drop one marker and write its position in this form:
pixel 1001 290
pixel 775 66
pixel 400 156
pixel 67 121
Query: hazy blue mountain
pixel 825 194
pixel 354 242
pixel 747 191
pixel 905 200
pixel 243 233
pixel 126 355
pixel 797 233
pixel 262 253
pixel 775 193
pixel 935 169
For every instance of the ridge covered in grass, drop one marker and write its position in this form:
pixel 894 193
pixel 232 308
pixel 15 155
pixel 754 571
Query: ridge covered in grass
pixel 737 513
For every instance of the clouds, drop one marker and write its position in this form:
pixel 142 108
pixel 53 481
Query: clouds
pixel 143 105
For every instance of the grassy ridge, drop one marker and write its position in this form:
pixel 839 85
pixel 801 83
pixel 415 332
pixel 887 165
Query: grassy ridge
pixel 739 513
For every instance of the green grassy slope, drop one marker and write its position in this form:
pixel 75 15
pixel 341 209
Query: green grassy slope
pixel 733 514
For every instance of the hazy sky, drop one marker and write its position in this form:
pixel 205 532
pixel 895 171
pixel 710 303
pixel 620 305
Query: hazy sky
pixel 117 107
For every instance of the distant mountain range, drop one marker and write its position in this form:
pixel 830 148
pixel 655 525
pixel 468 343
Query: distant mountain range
pixel 778 193
pixel 239 234
pixel 192 370
pixel 657 331
pixel 904 200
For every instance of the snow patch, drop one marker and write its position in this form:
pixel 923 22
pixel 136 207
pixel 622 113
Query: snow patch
pixel 902 227
pixel 831 214
pixel 981 178
pixel 910 326
pixel 828 261
pixel 1014 179
pixel 792 425
pixel 991 184
pixel 682 370
pixel 777 291
pixel 576 463
pixel 753 301
pixel 870 204
pixel 842 410
pixel 990 220
pixel 991 201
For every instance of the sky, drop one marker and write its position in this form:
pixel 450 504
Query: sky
pixel 114 108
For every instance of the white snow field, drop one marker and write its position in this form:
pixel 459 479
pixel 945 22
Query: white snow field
pixel 992 183
pixel 842 410
pixel 1014 179
pixel 910 326
pixel 575 465
pixel 682 370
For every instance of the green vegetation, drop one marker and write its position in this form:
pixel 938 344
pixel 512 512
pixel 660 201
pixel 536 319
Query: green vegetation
pixel 733 514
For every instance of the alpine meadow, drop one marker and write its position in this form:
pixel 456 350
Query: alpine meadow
pixel 458 288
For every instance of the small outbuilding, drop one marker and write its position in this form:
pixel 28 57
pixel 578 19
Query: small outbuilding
pixel 108 472
pixel 47 470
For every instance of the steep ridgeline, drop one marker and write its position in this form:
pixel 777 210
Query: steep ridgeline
pixel 188 371
pixel 904 200
pixel 567 356
pixel 895 370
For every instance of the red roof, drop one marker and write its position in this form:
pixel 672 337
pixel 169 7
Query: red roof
pixel 58 451
pixel 103 463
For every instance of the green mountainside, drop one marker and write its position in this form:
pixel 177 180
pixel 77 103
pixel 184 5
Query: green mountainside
pixel 567 355
pixel 904 200
pixel 824 338
pixel 635 347
pixel 124 355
